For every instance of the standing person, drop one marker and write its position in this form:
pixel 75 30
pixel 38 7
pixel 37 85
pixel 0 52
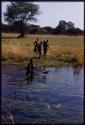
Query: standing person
pixel 36 46
pixel 45 48
pixel 39 49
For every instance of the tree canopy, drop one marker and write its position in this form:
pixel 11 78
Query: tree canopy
pixel 22 12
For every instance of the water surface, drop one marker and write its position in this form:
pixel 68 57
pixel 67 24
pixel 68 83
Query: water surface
pixel 52 95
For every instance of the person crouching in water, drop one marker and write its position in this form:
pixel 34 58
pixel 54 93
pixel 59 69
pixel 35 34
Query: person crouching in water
pixel 29 69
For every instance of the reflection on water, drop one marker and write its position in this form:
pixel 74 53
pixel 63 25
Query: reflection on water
pixel 50 95
pixel 29 80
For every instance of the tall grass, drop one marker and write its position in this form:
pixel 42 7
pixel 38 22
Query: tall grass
pixel 62 49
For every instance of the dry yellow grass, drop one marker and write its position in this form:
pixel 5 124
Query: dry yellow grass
pixel 17 50
pixel 59 46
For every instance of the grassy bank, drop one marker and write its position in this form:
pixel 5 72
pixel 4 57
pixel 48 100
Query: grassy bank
pixel 63 50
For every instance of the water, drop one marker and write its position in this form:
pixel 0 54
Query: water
pixel 52 95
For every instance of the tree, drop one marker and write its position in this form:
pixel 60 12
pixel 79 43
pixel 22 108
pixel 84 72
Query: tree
pixel 22 12
pixel 47 30
pixel 70 25
pixel 61 28
pixel 64 28
pixel 78 31
pixel 33 29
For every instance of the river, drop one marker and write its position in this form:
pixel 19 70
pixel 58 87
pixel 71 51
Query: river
pixel 51 95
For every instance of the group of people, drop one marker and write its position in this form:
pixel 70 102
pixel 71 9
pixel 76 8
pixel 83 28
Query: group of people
pixel 41 47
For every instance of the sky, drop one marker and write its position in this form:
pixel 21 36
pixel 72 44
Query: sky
pixel 53 12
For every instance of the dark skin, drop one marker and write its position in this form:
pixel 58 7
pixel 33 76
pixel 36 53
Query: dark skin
pixel 29 68
pixel 31 65
pixel 45 48
pixel 36 46
pixel 39 49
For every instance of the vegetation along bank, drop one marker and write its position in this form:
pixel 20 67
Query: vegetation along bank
pixel 63 50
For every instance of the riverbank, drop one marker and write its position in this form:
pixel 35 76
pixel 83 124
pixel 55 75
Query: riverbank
pixel 43 63
pixel 63 50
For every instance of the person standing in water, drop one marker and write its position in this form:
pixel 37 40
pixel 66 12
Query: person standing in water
pixel 29 68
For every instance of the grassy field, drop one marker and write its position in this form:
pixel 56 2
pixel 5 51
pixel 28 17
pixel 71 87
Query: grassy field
pixel 63 50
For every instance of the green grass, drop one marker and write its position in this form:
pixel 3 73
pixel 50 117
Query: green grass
pixel 63 50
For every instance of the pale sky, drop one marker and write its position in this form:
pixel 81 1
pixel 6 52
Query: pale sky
pixel 53 12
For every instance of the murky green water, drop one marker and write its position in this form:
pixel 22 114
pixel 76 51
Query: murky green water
pixel 52 95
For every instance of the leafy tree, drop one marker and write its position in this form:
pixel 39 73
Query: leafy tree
pixel 22 12
pixel 70 25
pixel 70 31
pixel 78 31
pixel 64 28
pixel 33 29
pixel 61 28
pixel 47 30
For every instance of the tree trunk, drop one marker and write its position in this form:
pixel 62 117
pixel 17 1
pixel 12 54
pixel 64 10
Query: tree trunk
pixel 22 29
